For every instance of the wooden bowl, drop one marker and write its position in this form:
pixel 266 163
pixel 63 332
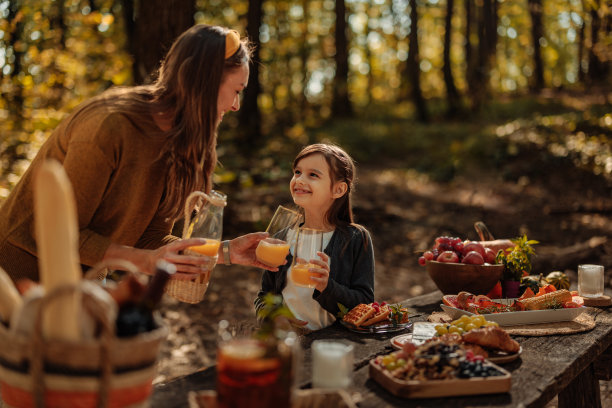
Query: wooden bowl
pixel 452 278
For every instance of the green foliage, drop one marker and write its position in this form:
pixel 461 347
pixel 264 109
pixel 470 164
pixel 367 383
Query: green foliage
pixel 273 309
pixel 517 260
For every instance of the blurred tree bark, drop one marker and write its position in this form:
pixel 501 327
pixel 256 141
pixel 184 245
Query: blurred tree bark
pixel 13 94
pixel 249 112
pixel 469 51
pixel 304 52
pixel 537 32
pixel 581 44
pixel 341 104
pixel 598 59
pixel 413 65
pixel 486 17
pixel 452 95
pixel 151 27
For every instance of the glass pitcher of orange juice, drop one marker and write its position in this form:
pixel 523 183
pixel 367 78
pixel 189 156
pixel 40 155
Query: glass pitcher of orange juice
pixel 207 223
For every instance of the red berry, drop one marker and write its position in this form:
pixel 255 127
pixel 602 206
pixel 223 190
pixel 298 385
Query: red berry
pixel 383 303
pixel 422 261
pixel 428 255
pixel 374 304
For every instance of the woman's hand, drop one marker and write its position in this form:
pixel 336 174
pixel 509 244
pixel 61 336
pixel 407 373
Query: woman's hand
pixel 242 250
pixel 322 271
pixel 187 266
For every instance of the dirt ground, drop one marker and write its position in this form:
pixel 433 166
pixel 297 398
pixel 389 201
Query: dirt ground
pixel 569 212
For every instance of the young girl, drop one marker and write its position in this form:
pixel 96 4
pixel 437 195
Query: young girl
pixel 321 186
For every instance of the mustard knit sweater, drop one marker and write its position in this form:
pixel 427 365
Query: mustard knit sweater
pixel 118 180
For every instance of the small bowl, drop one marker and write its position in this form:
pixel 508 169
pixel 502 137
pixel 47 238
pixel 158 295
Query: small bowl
pixel 452 278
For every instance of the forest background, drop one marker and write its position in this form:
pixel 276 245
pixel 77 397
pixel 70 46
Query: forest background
pixel 455 110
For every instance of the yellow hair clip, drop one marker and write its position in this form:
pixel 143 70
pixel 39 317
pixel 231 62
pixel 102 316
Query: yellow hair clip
pixel 232 43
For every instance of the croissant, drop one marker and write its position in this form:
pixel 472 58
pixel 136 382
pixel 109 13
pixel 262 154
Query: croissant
pixel 492 337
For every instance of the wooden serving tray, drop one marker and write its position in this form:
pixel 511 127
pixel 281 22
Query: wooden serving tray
pixel 441 388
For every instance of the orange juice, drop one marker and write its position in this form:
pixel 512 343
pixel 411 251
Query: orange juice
pixel 210 248
pixel 272 252
pixel 300 275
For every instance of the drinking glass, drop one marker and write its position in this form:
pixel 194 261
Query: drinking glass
pixel 256 373
pixel 591 280
pixel 309 242
pixel 273 250
pixel 332 364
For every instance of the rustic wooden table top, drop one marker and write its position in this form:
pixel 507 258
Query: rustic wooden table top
pixel 546 366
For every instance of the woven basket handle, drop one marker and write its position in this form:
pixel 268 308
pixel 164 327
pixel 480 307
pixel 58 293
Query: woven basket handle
pixel 190 204
pixel 37 352
pixel 483 232
pixel 100 270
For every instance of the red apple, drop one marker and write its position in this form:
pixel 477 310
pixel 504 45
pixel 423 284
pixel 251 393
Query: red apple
pixel 489 256
pixel 448 256
pixel 473 246
pixel 473 258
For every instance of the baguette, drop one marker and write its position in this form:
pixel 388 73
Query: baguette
pixel 542 302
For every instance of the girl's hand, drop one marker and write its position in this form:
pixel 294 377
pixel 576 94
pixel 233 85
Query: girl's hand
pixel 322 271
pixel 242 250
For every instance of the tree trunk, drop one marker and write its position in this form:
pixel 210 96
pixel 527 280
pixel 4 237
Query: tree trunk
pixel 452 95
pixel 469 53
pixel 249 112
pixel 156 24
pixel 481 72
pixel 581 44
pixel 537 32
pixel 302 115
pixel 341 104
pixel 414 70
pixel 597 71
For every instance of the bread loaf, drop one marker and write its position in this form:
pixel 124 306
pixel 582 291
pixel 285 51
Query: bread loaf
pixel 545 301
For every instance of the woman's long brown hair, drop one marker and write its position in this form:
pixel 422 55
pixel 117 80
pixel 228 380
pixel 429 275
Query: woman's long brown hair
pixel 187 86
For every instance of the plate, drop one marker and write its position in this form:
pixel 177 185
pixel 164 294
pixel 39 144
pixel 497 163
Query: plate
pixel 382 327
pixel 441 388
pixel 418 337
pixel 421 331
pixel 523 317
pixel 501 357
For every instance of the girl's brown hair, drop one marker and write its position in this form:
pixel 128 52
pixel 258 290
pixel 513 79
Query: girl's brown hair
pixel 187 86
pixel 341 168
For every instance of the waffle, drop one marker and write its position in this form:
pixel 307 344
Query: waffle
pixel 359 314
pixel 380 315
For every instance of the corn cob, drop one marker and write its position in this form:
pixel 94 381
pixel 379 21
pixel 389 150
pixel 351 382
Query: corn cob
pixel 541 302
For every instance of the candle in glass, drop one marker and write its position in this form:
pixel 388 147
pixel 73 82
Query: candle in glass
pixel 332 364
pixel 591 280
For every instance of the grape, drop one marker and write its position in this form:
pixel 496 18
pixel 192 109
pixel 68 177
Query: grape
pixel 428 255
pixel 422 261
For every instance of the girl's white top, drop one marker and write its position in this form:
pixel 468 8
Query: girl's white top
pixel 300 301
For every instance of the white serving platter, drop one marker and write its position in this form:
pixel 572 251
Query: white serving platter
pixel 523 317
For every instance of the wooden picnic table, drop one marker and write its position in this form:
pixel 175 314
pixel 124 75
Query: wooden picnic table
pixel 563 365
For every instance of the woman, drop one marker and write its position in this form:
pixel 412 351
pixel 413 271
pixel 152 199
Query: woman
pixel 133 155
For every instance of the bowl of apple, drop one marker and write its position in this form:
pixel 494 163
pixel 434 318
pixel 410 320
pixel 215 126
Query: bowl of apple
pixel 456 265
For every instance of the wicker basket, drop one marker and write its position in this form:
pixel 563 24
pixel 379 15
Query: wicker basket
pixel 189 291
pixel 105 372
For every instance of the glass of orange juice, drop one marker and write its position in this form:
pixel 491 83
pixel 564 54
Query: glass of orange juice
pixel 309 242
pixel 273 251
